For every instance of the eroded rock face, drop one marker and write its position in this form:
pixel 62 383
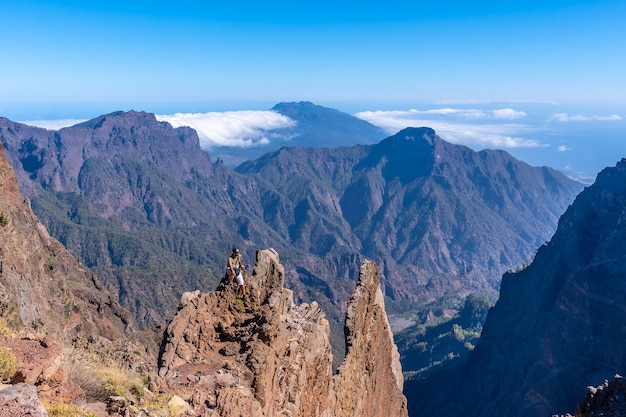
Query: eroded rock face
pixel 370 381
pixel 42 286
pixel 266 356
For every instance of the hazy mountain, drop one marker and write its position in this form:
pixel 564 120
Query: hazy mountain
pixel 558 325
pixel 141 204
pixel 316 126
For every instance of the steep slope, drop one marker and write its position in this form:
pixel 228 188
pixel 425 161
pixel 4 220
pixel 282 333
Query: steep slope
pixel 42 287
pixel 271 357
pixel 138 202
pixel 558 326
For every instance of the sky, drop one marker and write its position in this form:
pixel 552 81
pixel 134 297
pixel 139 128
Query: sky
pixel 542 79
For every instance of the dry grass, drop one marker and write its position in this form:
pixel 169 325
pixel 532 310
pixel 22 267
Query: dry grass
pixel 8 364
pixel 100 377
pixel 7 333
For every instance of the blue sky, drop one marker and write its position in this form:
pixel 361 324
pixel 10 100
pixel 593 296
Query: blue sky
pixel 79 59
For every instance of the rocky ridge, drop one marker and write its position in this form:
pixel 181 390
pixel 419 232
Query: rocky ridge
pixel 137 200
pixel 265 356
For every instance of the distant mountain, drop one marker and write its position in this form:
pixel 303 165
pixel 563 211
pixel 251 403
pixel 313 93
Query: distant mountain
pixel 319 126
pixel 144 207
pixel 441 220
pixel 558 325
pixel 316 126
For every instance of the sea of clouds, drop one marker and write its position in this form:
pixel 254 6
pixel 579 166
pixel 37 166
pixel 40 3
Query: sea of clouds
pixel 242 129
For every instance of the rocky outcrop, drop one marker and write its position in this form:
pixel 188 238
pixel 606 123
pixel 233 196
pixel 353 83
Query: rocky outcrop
pixel 370 380
pixel 606 400
pixel 20 400
pixel 263 355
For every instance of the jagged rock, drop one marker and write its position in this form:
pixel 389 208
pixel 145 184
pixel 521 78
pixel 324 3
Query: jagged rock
pixel 265 356
pixel 372 363
pixel 40 365
pixel 607 400
pixel 20 400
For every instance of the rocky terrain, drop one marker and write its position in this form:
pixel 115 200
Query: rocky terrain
pixel 42 286
pixel 263 355
pixel 558 325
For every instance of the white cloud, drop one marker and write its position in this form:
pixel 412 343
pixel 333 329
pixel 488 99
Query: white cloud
pixel 468 114
pixel 53 124
pixel 494 101
pixel 564 148
pixel 232 128
pixel 497 135
pixel 508 114
pixel 564 117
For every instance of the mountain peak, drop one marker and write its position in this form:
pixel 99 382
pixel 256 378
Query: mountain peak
pixel 407 155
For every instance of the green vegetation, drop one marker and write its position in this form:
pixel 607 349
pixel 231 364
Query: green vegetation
pixel 442 341
pixel 4 220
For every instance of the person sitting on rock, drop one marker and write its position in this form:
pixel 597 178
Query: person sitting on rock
pixel 234 268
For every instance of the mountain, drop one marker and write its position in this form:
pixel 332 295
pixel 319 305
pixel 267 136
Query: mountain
pixel 319 126
pixel 558 325
pixel 42 287
pixel 315 126
pixel 440 219
pixel 145 208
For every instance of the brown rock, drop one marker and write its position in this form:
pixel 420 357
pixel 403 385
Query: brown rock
pixel 370 381
pixel 266 356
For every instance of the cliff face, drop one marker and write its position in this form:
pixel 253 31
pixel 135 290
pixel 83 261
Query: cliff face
pixel 370 380
pixel 558 325
pixel 266 356
pixel 43 287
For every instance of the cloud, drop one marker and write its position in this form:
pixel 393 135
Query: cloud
pixel 242 129
pixel 496 135
pixel 494 101
pixel 467 114
pixel 53 124
pixel 564 148
pixel 564 117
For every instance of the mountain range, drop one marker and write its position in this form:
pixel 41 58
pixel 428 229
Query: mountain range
pixel 146 209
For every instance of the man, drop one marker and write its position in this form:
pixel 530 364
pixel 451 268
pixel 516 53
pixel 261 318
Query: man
pixel 234 268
